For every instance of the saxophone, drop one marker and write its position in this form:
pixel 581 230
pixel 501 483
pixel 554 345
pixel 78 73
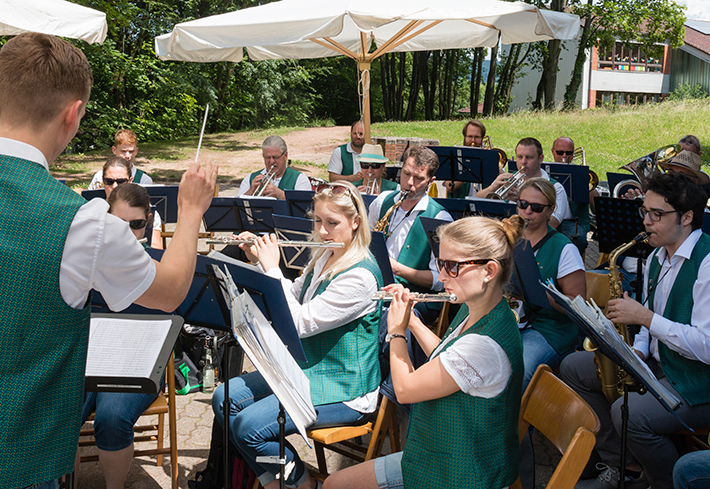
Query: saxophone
pixel 612 376
pixel 385 221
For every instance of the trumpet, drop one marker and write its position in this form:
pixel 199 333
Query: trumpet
pixel 268 178
pixel 502 156
pixel 415 296
pixel 516 181
pixel 579 153
pixel 283 243
pixel 372 186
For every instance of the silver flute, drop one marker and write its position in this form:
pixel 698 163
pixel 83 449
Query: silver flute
pixel 415 296
pixel 282 243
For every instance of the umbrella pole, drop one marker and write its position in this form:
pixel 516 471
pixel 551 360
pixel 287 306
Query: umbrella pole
pixel 364 68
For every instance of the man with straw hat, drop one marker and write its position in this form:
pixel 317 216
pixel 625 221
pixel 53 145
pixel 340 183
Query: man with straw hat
pixel 372 162
pixel 688 163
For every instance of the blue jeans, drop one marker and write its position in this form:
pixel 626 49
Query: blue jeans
pixel 692 471
pixel 536 351
pixel 116 413
pixel 44 485
pixel 388 471
pixel 254 429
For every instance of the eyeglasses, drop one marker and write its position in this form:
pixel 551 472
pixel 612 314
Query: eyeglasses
pixel 566 153
pixel 653 214
pixel 273 158
pixel 117 181
pixel 336 190
pixel 374 166
pixel 534 206
pixel 452 267
pixel 138 223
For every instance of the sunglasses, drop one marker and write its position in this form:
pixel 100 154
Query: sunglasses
pixel 336 190
pixel 452 267
pixel 534 206
pixel 567 153
pixel 138 223
pixel 117 181
pixel 374 166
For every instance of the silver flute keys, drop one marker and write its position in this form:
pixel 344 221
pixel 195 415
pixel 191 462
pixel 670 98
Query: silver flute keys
pixel 415 296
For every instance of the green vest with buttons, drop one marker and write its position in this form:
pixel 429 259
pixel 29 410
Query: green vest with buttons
pixel 343 363
pixel 288 180
pixel 43 341
pixel 415 252
pixel 464 441
pixel 556 327
pixel 686 375
pixel 346 157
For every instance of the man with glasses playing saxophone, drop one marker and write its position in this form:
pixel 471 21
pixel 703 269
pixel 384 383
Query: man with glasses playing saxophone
pixel 674 338
pixel 277 175
pixel 529 158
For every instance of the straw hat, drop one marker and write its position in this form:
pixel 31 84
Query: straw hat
pixel 689 161
pixel 372 153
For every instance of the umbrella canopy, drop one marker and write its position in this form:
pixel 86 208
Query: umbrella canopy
pixel 55 17
pixel 298 29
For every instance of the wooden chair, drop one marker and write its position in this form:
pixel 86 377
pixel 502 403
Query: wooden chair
pixel 598 288
pixel 692 440
pixel 337 439
pixel 164 404
pixel 558 412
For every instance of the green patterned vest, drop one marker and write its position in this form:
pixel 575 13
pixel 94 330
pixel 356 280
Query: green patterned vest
pixel 288 180
pixel 43 341
pixel 347 159
pixel 558 329
pixel 462 191
pixel 385 184
pixel 415 252
pixel 139 174
pixel 343 363
pixel 690 378
pixel 463 441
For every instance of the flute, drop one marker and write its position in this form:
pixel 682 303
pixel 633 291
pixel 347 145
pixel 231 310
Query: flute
pixel 282 243
pixel 415 296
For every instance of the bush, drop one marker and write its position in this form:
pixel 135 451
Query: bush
pixel 687 91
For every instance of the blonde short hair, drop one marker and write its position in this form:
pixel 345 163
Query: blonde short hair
pixel 544 186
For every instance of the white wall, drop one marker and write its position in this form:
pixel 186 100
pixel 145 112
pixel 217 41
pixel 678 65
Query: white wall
pixel 629 81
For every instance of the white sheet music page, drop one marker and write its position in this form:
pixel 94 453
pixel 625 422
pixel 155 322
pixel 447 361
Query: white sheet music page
pixel 124 347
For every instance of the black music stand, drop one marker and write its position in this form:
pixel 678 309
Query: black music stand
pixel 467 164
pixel 475 206
pixel 378 248
pixel 162 197
pixel 300 202
pixel 293 229
pixel 236 214
pixel 613 179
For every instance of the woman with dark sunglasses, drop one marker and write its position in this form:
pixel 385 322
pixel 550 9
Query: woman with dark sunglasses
pixel 338 324
pixel 372 165
pixel 548 334
pixel 465 399
pixel 115 413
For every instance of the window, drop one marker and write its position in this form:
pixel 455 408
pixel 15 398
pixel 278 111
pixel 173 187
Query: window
pixel 628 58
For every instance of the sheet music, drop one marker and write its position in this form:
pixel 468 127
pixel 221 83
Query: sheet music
pixel 124 347
pixel 593 317
pixel 272 359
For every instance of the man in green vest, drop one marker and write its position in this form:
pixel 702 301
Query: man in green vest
pixel 125 145
pixel 55 248
pixel 674 338
pixel 277 175
pixel 343 164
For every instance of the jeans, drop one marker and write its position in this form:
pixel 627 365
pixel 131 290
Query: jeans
pixel 692 471
pixel 254 429
pixel 537 351
pixel 116 413
pixel 388 471
pixel 44 485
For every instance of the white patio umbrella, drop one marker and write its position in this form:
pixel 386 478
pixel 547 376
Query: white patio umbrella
pixel 298 29
pixel 56 17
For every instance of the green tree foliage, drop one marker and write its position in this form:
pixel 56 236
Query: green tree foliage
pixel 686 91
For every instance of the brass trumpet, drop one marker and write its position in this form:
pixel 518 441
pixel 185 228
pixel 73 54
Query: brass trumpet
pixel 415 296
pixel 516 181
pixel 282 243
pixel 580 154
pixel 268 178
pixel 502 156
pixel 372 186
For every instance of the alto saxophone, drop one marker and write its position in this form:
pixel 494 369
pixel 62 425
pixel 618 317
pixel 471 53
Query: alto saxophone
pixel 612 376
pixel 384 222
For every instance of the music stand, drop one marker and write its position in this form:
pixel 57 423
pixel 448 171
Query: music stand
pixel 236 214
pixel 378 247
pixel 618 222
pixel 613 179
pixel 475 206
pixel 164 198
pixel 467 164
pixel 99 193
pixel 293 229
pixel 300 202
pixel 392 172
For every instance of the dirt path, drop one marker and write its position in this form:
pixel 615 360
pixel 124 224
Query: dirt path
pixel 237 155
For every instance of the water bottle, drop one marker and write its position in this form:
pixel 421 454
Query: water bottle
pixel 208 370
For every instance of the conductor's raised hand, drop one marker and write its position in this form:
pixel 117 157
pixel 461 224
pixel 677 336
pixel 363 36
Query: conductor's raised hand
pixel 400 309
pixel 197 188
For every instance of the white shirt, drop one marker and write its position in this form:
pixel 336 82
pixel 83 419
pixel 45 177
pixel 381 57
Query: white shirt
pixel 99 178
pixel 302 183
pixel 690 340
pixel 335 164
pixel 478 364
pixel 400 224
pixel 345 299
pixel 100 251
pixel 562 210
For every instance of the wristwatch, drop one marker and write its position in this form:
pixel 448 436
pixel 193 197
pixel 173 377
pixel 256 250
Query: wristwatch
pixel 389 337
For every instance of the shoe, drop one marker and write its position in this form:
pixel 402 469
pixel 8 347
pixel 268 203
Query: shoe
pixel 607 479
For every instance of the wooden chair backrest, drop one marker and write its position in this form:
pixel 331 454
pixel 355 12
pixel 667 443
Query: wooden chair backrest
pixel 598 288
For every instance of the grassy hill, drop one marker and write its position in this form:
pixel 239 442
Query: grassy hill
pixel 610 137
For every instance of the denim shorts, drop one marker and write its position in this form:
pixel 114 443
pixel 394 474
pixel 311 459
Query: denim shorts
pixel 388 471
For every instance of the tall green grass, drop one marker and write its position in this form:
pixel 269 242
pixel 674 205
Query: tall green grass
pixel 611 137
